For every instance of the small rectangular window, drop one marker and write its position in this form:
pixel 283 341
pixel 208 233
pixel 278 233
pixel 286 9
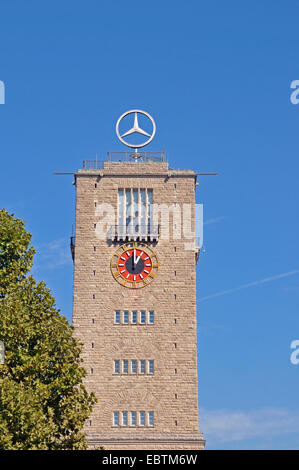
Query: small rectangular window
pixel 151 367
pixel 142 418
pixel 133 418
pixel 116 367
pixel 125 418
pixel 143 317
pixel 126 317
pixel 142 367
pixel 134 366
pixel 129 208
pixel 151 318
pixel 117 317
pixel 134 317
pixel 115 418
pixel 151 418
pixel 121 208
pixel 125 366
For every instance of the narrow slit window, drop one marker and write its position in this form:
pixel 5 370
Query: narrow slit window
pixel 142 366
pixel 151 367
pixel 133 418
pixel 134 366
pixel 117 317
pixel 125 366
pixel 143 317
pixel 126 317
pixel 151 317
pixel 151 418
pixel 116 367
pixel 142 418
pixel 115 418
pixel 125 418
pixel 134 317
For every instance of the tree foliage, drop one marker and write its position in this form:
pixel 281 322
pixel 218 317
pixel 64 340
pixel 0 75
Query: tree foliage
pixel 43 402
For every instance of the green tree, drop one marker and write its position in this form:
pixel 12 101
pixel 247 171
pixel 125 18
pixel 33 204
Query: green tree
pixel 43 402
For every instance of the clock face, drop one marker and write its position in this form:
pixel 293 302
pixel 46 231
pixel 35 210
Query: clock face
pixel 134 265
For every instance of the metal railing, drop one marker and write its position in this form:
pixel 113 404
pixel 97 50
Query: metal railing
pixel 127 157
pixel 138 232
pixel 93 164
pixel 142 157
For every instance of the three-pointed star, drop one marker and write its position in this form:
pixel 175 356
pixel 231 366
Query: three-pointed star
pixel 136 128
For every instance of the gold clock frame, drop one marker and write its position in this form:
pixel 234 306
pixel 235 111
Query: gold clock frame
pixel 134 284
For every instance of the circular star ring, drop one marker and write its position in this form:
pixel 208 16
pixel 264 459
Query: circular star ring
pixel 136 128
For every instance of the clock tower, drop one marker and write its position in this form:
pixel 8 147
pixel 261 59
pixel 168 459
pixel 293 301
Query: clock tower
pixel 134 306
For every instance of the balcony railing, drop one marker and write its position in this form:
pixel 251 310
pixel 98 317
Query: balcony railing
pixel 127 157
pixel 136 233
pixel 142 157
pixel 93 164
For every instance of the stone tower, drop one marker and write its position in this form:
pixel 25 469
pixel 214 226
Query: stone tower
pixel 135 302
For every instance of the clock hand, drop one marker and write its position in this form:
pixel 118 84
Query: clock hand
pixel 139 257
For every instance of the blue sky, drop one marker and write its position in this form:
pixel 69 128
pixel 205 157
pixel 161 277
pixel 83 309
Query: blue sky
pixel 216 77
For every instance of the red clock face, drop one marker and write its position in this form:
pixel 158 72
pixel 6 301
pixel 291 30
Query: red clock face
pixel 134 265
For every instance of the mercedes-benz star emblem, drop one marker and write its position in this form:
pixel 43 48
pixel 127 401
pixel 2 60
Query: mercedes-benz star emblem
pixel 136 128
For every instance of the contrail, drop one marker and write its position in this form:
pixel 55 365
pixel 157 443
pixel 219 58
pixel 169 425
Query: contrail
pixel 250 284
pixel 213 221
